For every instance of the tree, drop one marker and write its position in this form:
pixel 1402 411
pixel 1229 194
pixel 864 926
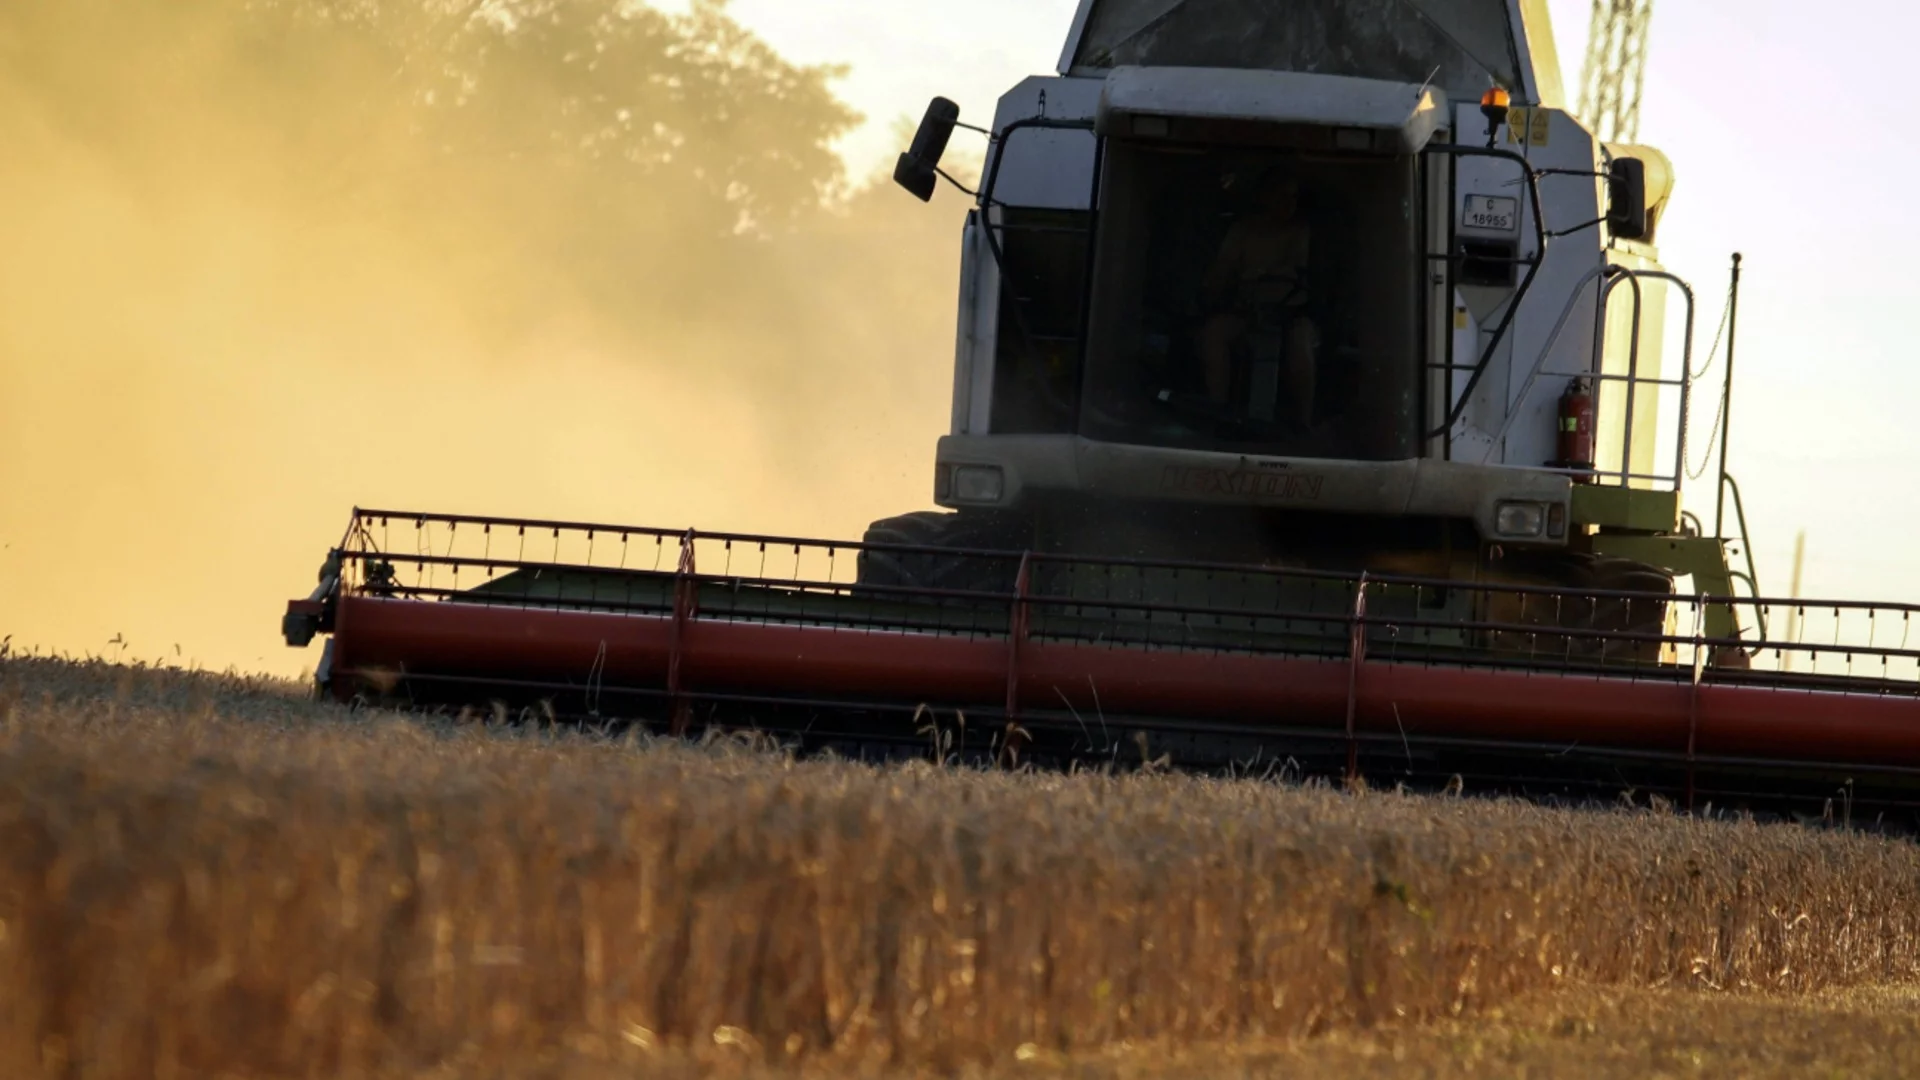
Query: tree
pixel 668 178
pixel 606 107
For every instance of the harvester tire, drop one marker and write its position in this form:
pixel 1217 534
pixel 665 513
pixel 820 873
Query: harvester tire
pixel 1580 571
pixel 941 570
pixel 1638 616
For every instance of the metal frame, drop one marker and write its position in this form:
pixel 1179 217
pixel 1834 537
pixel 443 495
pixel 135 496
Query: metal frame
pixel 368 562
pixel 1618 274
pixel 459 611
pixel 1455 410
pixel 1612 276
pixel 369 565
pixel 1726 405
pixel 990 228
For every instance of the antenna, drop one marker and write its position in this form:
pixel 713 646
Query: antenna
pixel 1616 68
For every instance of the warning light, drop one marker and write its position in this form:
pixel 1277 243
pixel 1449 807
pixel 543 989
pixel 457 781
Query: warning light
pixel 1495 104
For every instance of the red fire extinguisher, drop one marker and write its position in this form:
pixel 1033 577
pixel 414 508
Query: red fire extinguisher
pixel 1576 428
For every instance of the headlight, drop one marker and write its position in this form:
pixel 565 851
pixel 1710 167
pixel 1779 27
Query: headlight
pixel 978 484
pixel 1520 520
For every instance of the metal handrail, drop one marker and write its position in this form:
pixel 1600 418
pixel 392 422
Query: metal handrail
pixel 1617 274
pixel 1210 607
pixel 1686 366
pixel 1455 410
pixel 1746 545
pixel 1539 361
pixel 836 547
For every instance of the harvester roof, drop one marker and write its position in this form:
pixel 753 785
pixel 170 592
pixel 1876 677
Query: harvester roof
pixel 1460 46
pixel 1409 114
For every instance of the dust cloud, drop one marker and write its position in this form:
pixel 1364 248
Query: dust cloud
pixel 263 261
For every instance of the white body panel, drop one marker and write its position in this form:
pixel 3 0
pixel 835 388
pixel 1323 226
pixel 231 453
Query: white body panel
pixel 1407 113
pixel 1037 168
pixel 1041 463
pixel 1548 139
pixel 967 379
pixel 1512 419
pixel 1050 169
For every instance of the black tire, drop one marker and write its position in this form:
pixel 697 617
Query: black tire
pixel 940 564
pixel 1644 613
pixel 1640 615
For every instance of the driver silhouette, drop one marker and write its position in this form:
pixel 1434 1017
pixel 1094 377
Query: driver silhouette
pixel 1258 282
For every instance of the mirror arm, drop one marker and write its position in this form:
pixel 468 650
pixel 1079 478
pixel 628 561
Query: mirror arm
pixel 964 189
pixel 1578 228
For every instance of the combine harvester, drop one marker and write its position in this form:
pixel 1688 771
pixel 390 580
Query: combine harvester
pixel 1310 414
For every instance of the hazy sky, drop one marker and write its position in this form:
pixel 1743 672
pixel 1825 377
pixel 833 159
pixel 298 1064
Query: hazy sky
pixel 1790 134
pixel 1792 140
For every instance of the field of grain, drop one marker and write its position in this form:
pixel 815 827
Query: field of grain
pixel 208 876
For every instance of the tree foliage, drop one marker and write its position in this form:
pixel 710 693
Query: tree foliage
pixel 603 106
pixel 667 176
pixel 568 258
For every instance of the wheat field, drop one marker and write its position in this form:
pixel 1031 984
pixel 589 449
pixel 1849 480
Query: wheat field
pixel 209 876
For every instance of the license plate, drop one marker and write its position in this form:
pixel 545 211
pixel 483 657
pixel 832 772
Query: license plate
pixel 1495 213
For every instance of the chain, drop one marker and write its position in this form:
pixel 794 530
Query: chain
pixel 1720 409
pixel 1726 312
pixel 1719 417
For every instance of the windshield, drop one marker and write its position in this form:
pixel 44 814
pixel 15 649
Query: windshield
pixel 1253 300
pixel 1459 45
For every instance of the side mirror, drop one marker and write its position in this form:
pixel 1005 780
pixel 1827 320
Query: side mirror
pixel 918 168
pixel 1627 198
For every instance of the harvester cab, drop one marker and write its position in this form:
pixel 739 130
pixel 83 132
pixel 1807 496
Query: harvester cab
pixel 1321 284
pixel 1310 410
